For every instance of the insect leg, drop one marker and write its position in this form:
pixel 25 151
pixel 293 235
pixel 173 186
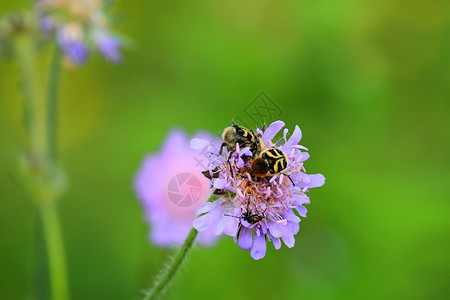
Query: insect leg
pixel 229 163
pixel 221 148
pixel 239 232
pixel 290 179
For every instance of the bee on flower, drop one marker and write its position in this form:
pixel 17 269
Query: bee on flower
pixel 259 187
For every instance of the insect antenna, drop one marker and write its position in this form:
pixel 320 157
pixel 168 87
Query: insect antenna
pixel 232 216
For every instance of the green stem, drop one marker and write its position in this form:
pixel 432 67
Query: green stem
pixel 55 251
pixel 50 219
pixel 34 113
pixel 52 104
pixel 44 175
pixel 173 267
pixel 163 281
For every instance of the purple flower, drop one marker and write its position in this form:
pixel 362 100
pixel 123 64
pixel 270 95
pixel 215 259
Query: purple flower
pixel 170 188
pixel 79 26
pixel 70 40
pixel 253 210
pixel 107 45
pixel 47 24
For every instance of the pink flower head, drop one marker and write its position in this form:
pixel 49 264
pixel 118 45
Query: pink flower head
pixel 255 210
pixel 171 188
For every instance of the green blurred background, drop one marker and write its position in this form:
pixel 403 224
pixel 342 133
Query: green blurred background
pixel 367 81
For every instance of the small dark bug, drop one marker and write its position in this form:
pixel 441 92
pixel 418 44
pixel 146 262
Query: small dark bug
pixel 252 218
pixel 249 216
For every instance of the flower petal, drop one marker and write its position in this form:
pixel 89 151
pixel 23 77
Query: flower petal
pixel 107 45
pixel 288 237
pixel 276 243
pixel 290 216
pixel 221 183
pixel 199 144
pixel 295 137
pixel 285 132
pixel 231 227
pixel 304 156
pixel 245 239
pixel 203 222
pixel 204 208
pixel 293 227
pixel 259 247
pixel 240 163
pixel 316 180
pixel 301 199
pixel 311 181
pixel 301 210
pixel 274 229
pixel 245 152
pixel 220 226
pixel 272 130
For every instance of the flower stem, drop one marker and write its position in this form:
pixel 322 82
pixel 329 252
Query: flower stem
pixel 167 275
pixel 164 280
pixel 44 179
pixel 55 251
pixel 48 211
pixel 33 110
pixel 52 104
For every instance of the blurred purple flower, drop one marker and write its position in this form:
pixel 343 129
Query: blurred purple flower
pixel 107 45
pixel 70 40
pixel 47 25
pixel 170 188
pixel 270 201
pixel 79 26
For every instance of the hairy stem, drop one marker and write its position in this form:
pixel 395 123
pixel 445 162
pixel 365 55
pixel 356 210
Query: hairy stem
pixel 52 101
pixel 164 280
pixel 44 178
pixel 167 275
pixel 33 112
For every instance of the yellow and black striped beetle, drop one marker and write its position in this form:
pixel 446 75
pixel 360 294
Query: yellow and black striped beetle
pixel 268 163
pixel 236 134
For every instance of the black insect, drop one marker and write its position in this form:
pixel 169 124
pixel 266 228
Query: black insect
pixel 249 216
pixel 252 218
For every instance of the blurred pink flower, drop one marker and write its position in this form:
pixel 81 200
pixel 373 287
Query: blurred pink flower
pixel 170 187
